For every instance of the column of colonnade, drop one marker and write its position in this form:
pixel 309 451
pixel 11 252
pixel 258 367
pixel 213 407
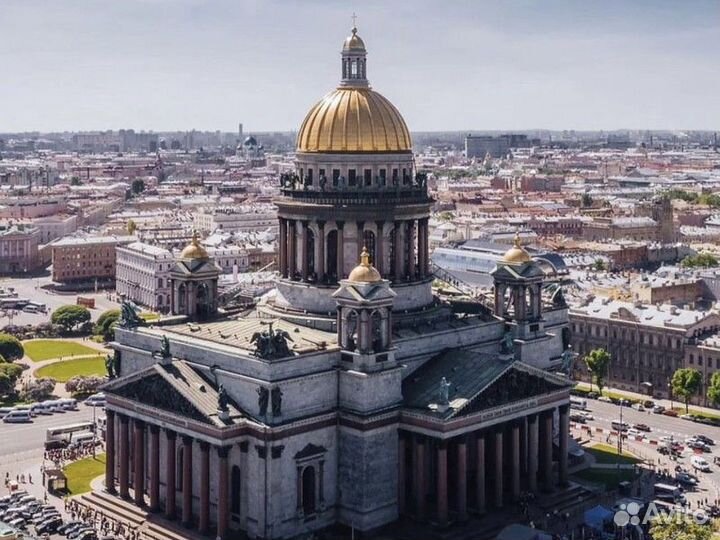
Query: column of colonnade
pixel 119 460
pixel 489 468
pixel 405 244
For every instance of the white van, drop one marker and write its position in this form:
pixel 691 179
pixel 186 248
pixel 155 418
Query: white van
pixel 16 417
pixel 699 463
pixel 68 404
pixel 96 400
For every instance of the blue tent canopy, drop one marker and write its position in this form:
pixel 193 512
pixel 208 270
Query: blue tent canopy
pixel 595 517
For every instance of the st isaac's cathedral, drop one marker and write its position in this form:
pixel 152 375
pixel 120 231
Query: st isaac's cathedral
pixel 351 395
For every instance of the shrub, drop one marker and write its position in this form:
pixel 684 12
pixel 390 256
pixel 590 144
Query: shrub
pixel 38 389
pixel 84 385
pixel 10 348
pixel 105 325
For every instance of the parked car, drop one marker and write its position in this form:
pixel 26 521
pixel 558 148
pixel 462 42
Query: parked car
pixel 658 409
pixel 605 399
pixel 642 427
pixel 632 432
pixel 699 463
pixel 49 525
pixel 648 404
pixel 638 407
pixel 705 439
pixel 580 419
pixel 670 412
pixel 586 415
pixel 686 479
pixel 593 395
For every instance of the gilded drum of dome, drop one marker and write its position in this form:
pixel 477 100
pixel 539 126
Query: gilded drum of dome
pixel 354 120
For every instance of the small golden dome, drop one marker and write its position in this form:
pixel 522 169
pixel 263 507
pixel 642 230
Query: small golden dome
pixel 516 254
pixel 365 272
pixel 354 42
pixel 354 120
pixel 194 249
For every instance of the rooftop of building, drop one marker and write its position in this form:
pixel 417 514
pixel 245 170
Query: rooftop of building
pixel 662 316
pixel 94 240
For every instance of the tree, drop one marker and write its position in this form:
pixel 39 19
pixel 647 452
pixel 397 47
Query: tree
pixel 713 391
pixel 599 265
pixel 70 316
pixel 105 325
pixel 598 362
pixel 138 186
pixel 131 226
pixel 84 385
pixel 9 375
pixel 587 200
pixel 10 348
pixel 38 389
pixel 685 384
pixel 701 260
pixel 75 181
pixel 672 528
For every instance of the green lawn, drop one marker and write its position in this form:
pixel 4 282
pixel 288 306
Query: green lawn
pixel 607 477
pixel 81 473
pixel 149 316
pixel 604 453
pixel 66 369
pixel 45 349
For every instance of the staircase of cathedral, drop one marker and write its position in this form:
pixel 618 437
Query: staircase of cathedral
pixel 148 525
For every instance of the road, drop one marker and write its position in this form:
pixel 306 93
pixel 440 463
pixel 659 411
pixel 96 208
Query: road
pixel 22 442
pixel 31 288
pixel 605 413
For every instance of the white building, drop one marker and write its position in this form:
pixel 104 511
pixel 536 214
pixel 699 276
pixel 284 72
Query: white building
pixel 58 226
pixel 230 219
pixel 142 274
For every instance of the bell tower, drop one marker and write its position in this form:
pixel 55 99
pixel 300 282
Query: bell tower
pixel 518 299
pixel 354 61
pixel 193 283
pixel 370 387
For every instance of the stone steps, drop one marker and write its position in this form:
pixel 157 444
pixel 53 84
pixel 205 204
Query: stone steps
pixel 115 507
pixel 163 531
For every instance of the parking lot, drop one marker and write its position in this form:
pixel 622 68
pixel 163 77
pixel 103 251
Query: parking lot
pixel 34 289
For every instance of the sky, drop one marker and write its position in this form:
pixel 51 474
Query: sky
pixel 446 65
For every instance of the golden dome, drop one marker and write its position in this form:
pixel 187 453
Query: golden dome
pixel 365 272
pixel 516 254
pixel 354 120
pixel 354 42
pixel 194 249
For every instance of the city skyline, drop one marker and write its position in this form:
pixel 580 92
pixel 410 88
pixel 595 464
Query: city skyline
pixel 164 66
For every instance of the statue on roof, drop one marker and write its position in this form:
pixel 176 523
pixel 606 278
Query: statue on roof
pixel 508 343
pixel 271 344
pixel 129 317
pixel 568 357
pixel 222 399
pixel 444 392
pixel 164 352
pixel 110 366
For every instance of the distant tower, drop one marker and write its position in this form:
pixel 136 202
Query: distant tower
pixel 193 283
pixel 240 131
pixel 662 213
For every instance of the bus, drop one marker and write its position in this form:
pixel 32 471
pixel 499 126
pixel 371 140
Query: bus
pixel 61 436
pixel 578 403
pixel 669 492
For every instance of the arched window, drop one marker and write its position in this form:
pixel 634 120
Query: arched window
pixel 352 331
pixel 369 241
pixel 235 490
pixel 308 490
pixel 378 340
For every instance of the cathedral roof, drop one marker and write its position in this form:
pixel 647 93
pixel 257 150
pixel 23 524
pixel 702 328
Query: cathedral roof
pixel 176 388
pixel 194 250
pixel 478 381
pixel 365 272
pixel 354 43
pixel 354 120
pixel 516 255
